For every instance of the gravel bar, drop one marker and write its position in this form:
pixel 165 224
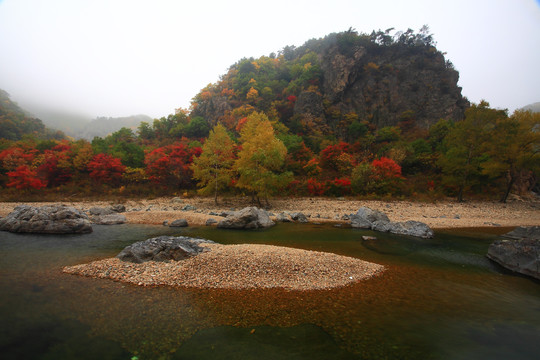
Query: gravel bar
pixel 246 266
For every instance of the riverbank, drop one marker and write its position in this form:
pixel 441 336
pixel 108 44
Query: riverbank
pixel 439 215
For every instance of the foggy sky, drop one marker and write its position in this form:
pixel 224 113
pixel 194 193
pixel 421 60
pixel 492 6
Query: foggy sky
pixel 123 57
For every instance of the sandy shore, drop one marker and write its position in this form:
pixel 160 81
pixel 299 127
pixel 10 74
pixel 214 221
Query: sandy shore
pixel 436 215
pixel 245 266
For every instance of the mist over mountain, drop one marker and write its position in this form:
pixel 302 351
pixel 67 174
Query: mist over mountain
pixel 534 107
pixel 80 126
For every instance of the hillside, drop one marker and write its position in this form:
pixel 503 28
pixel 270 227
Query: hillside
pixel 16 124
pixel 103 126
pixel 339 84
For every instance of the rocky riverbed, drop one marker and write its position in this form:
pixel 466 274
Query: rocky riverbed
pixel 444 214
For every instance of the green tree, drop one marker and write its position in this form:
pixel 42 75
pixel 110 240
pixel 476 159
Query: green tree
pixel 514 148
pixel 213 168
pixel 260 162
pixel 464 157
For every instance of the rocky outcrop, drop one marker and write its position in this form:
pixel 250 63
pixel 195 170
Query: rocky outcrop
pixel 51 219
pixel 286 216
pixel 366 218
pixel 520 253
pixel 163 248
pixel 247 218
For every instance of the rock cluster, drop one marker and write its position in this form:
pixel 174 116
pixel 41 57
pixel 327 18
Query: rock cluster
pixel 366 218
pixel 520 252
pixel 107 215
pixel 51 219
pixel 247 218
pixel 163 248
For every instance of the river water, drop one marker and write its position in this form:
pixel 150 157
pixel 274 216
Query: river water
pixel 438 299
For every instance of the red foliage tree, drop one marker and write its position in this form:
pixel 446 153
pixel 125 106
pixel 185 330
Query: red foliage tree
pixel 332 159
pixel 315 188
pixel 55 169
pixel 385 168
pixel 24 178
pixel 13 157
pixel 104 168
pixel 170 165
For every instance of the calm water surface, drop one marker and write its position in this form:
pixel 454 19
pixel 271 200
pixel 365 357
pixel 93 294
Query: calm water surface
pixel 438 299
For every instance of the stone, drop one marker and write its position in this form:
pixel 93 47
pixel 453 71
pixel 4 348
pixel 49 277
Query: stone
pixel 163 248
pixel 247 218
pixel 166 223
pixel 179 223
pixel 300 217
pixel 111 219
pixel 368 238
pixel 211 222
pixel 524 232
pixel 283 217
pixel 366 218
pixel 119 208
pixel 98 211
pixel 177 200
pixel 189 207
pixel 50 219
pixel 521 256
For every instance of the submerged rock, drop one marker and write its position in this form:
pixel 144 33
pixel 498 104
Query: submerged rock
pixel 50 219
pixel 366 218
pixel 521 254
pixel 163 248
pixel 247 218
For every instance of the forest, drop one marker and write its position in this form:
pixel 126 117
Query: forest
pixel 373 116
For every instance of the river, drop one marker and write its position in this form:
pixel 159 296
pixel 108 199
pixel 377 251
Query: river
pixel 438 299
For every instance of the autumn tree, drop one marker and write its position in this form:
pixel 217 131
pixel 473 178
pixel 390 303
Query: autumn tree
pixel 514 149
pixel 23 177
pixel 213 168
pixel 170 165
pixel 260 162
pixel 104 168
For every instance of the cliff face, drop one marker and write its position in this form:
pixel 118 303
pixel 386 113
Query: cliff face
pixel 338 80
pixel 393 84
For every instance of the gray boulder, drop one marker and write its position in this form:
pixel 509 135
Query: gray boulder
pixel 520 253
pixel 300 217
pixel 367 218
pixel 179 223
pixel 111 219
pixel 524 232
pixel 163 248
pixel 119 208
pixel 247 218
pixel 211 222
pixel 284 217
pixel 98 211
pixel 50 219
pixel 411 228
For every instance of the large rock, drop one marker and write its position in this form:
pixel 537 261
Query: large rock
pixel 50 219
pixel 111 219
pixel 163 248
pixel 247 218
pixel 179 223
pixel 366 218
pixel 521 254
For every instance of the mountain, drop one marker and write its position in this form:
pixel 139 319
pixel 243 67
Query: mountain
pixel 330 86
pixel 535 107
pixel 16 124
pixel 103 126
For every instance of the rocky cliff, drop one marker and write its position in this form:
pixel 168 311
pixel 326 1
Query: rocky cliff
pixel 376 79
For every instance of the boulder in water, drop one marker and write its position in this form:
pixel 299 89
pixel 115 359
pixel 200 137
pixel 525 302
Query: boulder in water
pixel 50 219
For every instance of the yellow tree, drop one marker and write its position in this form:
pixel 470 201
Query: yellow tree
pixel 213 168
pixel 260 162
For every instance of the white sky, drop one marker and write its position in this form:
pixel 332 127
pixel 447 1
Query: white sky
pixel 124 57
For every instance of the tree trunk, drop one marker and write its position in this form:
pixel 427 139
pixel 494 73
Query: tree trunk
pixel 216 188
pixel 508 188
pixel 460 194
